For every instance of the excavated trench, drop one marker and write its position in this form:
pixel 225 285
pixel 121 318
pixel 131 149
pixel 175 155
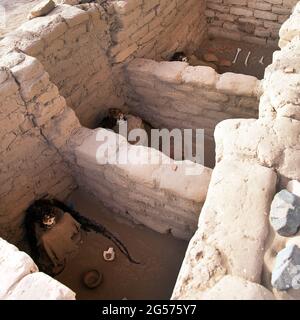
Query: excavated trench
pixel 163 94
pixel 161 255
pixel 225 49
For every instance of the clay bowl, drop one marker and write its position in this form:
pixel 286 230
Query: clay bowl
pixel 92 279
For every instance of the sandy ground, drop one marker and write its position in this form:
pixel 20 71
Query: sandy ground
pixel 160 256
pixel 226 49
pixel 16 12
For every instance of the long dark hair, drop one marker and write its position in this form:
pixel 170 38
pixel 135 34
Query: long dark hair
pixel 36 212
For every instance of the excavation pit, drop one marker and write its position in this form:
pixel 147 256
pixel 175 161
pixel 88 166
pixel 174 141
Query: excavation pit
pixel 260 56
pixel 60 74
pixel 160 256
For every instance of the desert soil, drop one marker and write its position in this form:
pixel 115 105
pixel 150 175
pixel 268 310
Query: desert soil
pixel 160 256
pixel 16 12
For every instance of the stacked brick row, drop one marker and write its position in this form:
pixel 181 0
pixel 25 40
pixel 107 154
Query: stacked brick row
pixel 255 21
pixel 175 95
pixel 31 161
pixel 148 187
pixel 156 28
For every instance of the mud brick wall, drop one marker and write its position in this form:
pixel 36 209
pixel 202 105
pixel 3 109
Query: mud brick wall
pixel 255 21
pixel 81 46
pixel 72 45
pixel 67 59
pixel 254 159
pixel 175 95
pixel 31 164
pixel 160 195
pixel 156 28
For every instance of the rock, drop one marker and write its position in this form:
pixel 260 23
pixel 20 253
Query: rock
pixel 236 288
pixel 285 213
pixel 286 273
pixel 225 63
pixel 294 187
pixel 210 57
pixel 42 9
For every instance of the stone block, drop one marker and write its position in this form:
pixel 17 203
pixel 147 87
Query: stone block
pixel 217 7
pixel 241 12
pixel 200 76
pixel 260 5
pixel 286 272
pixel 236 2
pixel 29 69
pixel 124 54
pixel 277 2
pixel 39 286
pixel 238 84
pixel 265 15
pixel 42 8
pixel 185 185
pixel 71 15
pixel 288 3
pixel 170 71
pixel 285 213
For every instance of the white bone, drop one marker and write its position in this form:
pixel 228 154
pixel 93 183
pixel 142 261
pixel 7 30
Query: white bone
pixel 247 58
pixel 237 54
pixel 261 61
